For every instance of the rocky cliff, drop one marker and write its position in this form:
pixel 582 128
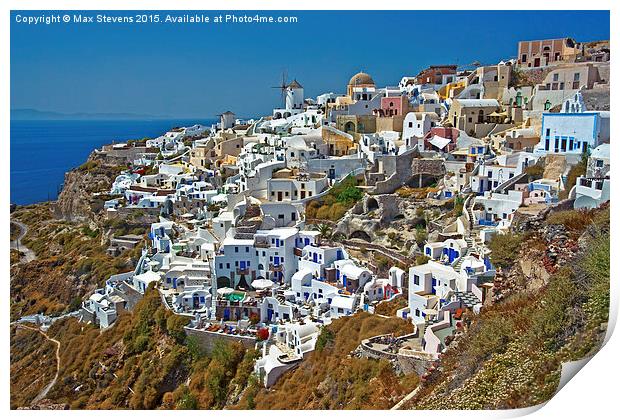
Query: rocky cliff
pixel 85 189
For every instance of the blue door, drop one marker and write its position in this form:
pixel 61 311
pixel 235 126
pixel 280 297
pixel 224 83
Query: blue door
pixel 269 314
pixel 434 284
pixel 174 283
pixel 242 265
pixel 276 260
pixel 226 314
pixel 314 257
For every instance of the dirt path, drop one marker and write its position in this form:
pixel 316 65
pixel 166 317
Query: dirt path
pixel 49 386
pixel 406 398
pixel 29 254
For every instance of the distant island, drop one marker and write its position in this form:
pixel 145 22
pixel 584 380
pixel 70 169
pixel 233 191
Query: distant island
pixel 35 114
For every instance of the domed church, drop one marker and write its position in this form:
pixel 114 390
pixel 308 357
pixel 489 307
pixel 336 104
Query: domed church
pixel 360 86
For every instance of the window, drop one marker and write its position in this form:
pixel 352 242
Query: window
pixel 416 280
pixel 599 163
pixel 556 77
pixel 576 77
pixel 236 249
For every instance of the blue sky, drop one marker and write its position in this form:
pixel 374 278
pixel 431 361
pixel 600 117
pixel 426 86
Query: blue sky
pixel 201 70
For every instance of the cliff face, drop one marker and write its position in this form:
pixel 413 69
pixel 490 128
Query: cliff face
pixel 76 202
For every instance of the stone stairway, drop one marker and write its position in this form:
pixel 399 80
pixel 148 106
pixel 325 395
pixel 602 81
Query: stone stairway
pixel 168 299
pixel 468 299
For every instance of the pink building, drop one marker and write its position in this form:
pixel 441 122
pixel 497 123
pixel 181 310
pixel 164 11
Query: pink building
pixel 392 106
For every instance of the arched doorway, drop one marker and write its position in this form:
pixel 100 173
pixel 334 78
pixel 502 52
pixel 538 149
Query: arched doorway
pixel 223 281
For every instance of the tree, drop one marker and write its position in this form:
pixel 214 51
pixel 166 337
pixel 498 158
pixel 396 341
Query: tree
pixel 325 230
pixel 420 235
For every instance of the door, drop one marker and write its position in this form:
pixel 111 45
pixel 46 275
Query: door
pixel 279 195
pixel 276 261
pixel 303 194
pixel 195 302
pixel 269 314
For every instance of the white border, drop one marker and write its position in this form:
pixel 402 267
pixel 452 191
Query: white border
pixel 592 393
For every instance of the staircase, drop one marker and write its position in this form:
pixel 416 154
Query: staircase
pixel 249 223
pixel 168 299
pixel 470 247
pixel 467 298
pixel 504 186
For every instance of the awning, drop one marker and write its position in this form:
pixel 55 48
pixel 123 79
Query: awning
pixel 439 142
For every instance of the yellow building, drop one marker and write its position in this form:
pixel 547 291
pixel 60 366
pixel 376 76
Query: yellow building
pixel 338 142
pixel 450 90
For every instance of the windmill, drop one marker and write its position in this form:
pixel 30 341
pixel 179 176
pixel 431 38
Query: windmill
pixel 283 87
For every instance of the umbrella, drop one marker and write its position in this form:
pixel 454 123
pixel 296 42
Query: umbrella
pixel 225 290
pixel 262 284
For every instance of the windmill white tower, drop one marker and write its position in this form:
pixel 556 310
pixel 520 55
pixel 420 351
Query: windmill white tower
pixel 294 95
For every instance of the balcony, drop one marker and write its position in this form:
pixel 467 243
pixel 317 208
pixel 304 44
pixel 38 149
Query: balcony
pixel 297 252
pixel 243 271
pixel 276 268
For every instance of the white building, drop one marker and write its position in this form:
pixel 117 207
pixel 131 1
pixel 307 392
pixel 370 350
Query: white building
pixel 593 189
pixel 573 133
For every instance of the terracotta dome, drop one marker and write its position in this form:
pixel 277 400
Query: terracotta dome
pixel 361 78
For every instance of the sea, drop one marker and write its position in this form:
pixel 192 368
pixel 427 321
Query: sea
pixel 43 151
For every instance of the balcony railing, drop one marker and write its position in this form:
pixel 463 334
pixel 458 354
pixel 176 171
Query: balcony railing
pixel 276 268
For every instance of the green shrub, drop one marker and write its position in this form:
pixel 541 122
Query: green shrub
pixel 505 249
pixel 174 326
pixel 325 338
pixel 141 343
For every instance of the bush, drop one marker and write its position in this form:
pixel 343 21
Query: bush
pixel 141 343
pixel 325 338
pixel 537 171
pixel 505 249
pixel 174 326
pixel 420 235
pixel 573 220
pixel 421 259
